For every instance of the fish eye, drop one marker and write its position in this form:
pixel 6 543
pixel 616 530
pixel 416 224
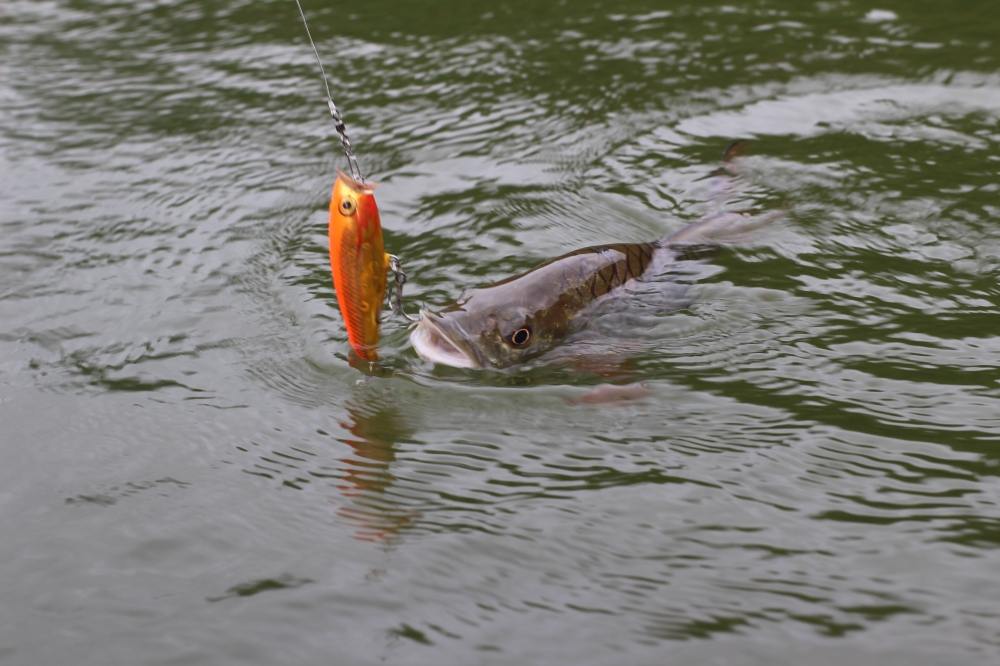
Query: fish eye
pixel 348 206
pixel 520 337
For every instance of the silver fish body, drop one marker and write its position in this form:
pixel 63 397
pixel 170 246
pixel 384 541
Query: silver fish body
pixel 523 316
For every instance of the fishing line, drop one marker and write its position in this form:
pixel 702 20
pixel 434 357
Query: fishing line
pixel 338 120
pixel 394 297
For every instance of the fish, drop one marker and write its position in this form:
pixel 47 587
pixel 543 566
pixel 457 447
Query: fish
pixel 358 262
pixel 522 317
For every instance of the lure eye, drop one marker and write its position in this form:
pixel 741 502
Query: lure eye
pixel 348 206
pixel 520 337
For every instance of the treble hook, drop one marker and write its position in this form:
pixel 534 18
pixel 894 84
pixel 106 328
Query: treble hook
pixel 395 297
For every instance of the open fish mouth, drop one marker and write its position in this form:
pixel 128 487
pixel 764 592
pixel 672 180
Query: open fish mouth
pixel 433 343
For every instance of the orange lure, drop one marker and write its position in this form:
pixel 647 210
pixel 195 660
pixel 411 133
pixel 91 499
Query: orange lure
pixel 358 262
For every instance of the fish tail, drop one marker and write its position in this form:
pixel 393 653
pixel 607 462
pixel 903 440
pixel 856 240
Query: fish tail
pixel 737 148
pixel 722 226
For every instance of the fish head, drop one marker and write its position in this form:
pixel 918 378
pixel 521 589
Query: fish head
pixel 484 332
pixel 357 261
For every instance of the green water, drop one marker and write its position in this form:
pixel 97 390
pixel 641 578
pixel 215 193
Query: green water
pixel 193 472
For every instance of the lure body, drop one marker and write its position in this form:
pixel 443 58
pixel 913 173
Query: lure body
pixel 358 262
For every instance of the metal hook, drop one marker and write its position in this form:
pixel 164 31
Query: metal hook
pixel 395 297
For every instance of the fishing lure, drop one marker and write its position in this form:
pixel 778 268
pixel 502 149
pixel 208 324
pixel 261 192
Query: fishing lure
pixel 358 260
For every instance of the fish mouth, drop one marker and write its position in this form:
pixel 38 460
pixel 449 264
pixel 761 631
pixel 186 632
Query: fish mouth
pixel 433 342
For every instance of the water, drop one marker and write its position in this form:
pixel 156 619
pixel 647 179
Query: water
pixel 194 472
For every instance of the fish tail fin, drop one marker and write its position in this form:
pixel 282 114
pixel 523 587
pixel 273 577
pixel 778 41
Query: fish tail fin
pixel 722 226
pixel 735 149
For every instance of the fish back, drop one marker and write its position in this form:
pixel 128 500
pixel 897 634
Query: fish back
pixel 622 262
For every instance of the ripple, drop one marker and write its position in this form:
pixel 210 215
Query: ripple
pixel 810 460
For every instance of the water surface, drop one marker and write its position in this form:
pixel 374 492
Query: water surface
pixel 194 471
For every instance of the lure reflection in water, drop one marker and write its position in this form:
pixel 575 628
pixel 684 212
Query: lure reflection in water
pixel 374 425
